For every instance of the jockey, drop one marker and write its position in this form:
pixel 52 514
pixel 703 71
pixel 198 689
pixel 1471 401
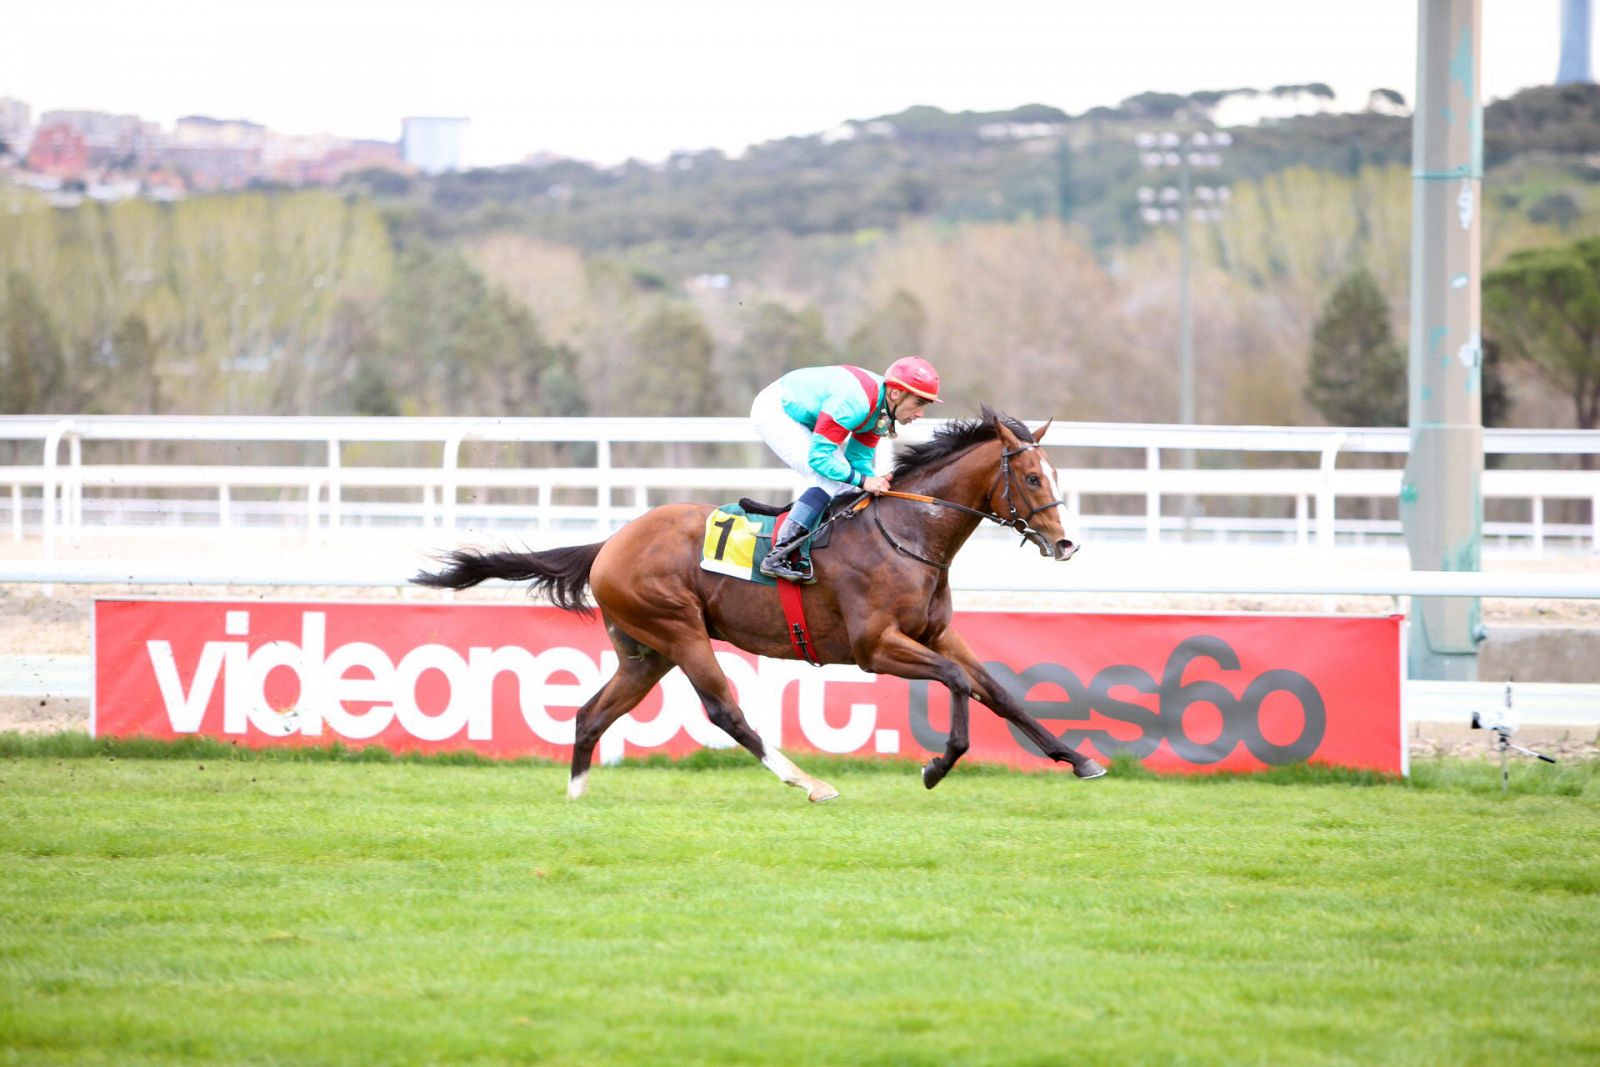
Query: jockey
pixel 825 422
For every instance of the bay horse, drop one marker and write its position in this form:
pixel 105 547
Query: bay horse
pixel 881 600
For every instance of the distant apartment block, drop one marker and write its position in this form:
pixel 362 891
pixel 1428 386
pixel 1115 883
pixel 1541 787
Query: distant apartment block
pixel 16 126
pixel 216 153
pixel 1575 36
pixel 432 145
pixel 58 150
pixel 207 132
pixel 76 154
pixel 322 159
pixel 111 140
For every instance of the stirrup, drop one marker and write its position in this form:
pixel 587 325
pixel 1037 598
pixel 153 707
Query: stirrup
pixel 778 565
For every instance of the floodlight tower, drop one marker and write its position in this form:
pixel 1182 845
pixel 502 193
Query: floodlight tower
pixel 1180 205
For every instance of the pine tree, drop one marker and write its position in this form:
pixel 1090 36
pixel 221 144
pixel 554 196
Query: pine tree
pixel 1543 306
pixel 1358 373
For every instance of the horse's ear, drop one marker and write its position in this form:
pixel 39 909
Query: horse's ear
pixel 1038 435
pixel 1003 431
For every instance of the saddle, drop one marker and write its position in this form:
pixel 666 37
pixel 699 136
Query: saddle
pixel 738 536
pixel 839 505
pixel 794 614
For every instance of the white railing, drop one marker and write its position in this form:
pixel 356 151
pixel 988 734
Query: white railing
pixel 63 492
pixel 991 568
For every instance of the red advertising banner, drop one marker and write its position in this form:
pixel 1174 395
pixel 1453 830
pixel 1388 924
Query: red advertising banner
pixel 1181 693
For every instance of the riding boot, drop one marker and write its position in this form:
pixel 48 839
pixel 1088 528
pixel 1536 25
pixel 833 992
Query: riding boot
pixel 802 520
pixel 785 560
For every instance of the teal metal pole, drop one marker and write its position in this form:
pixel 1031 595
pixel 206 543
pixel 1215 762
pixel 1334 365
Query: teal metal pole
pixel 1441 502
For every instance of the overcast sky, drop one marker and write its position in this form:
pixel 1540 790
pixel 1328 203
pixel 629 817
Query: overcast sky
pixel 608 79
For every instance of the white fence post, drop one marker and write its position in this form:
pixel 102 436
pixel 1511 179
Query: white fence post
pixel 1325 492
pixel 334 489
pixel 602 481
pixel 72 489
pixel 52 445
pixel 447 488
pixel 313 499
pixel 1152 496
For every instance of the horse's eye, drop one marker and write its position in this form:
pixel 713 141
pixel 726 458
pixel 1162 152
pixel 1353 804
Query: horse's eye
pixel 1033 480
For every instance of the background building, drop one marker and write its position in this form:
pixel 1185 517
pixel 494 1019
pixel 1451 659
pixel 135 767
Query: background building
pixel 1574 43
pixel 59 151
pixel 216 153
pixel 111 140
pixel 16 126
pixel 432 145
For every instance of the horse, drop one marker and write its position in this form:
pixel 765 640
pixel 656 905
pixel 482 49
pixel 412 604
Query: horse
pixel 881 599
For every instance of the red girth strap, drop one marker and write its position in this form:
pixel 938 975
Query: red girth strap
pixel 794 615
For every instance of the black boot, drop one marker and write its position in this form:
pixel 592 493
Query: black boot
pixel 802 520
pixel 785 560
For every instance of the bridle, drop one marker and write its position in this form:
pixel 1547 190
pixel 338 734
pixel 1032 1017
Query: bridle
pixel 1004 478
pixel 1021 523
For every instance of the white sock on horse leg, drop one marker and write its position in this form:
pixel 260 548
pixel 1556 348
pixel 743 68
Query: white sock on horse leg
pixel 779 764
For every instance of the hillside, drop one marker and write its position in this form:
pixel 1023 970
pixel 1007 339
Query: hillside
pixel 925 164
pixel 1007 247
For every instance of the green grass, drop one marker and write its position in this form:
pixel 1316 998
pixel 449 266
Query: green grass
pixel 217 906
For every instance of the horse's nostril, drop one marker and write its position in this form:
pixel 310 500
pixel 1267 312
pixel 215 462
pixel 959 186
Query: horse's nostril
pixel 1065 549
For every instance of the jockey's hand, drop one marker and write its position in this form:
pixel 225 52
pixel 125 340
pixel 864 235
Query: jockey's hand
pixel 878 483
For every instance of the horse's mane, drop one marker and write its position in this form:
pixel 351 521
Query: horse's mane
pixel 955 436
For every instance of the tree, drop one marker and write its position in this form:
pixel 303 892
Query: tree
pixel 1065 202
pixel 1155 105
pixel 896 328
pixel 1543 306
pixel 137 382
pixel 1557 209
pixel 1496 393
pixel 671 372
pixel 776 340
pixel 535 376
pixel 1358 373
pixel 438 338
pixel 30 350
pixel 368 390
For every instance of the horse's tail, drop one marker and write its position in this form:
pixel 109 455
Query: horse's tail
pixel 562 574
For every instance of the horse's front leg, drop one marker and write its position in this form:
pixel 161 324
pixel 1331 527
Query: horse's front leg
pixel 890 651
pixel 991 694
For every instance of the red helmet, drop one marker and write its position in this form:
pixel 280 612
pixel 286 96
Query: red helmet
pixel 915 375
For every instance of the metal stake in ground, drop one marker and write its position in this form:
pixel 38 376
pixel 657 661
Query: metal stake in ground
pixel 1503 729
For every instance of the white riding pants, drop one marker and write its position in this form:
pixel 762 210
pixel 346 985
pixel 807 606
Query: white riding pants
pixel 789 439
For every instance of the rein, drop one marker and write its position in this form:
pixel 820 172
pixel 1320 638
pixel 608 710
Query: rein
pixel 1018 521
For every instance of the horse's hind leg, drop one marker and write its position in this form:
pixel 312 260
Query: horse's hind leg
pixel 638 670
pixel 699 662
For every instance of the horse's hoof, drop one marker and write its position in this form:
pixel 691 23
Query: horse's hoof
pixel 932 775
pixel 1089 769
pixel 821 793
